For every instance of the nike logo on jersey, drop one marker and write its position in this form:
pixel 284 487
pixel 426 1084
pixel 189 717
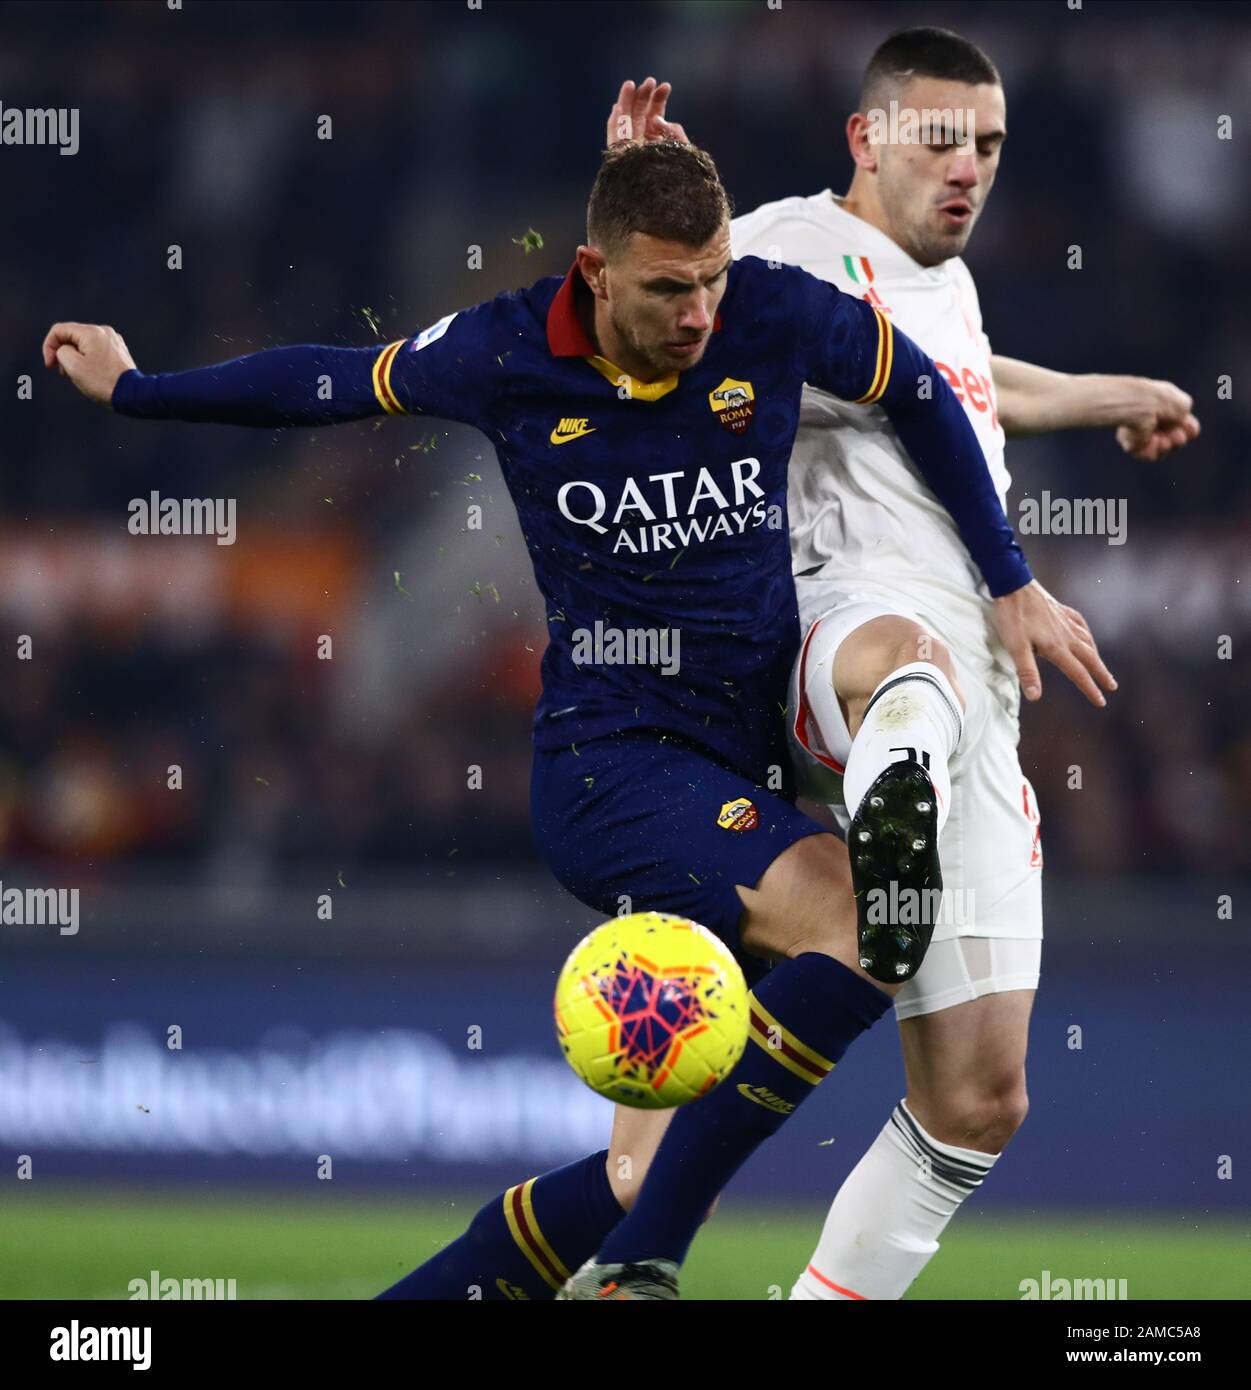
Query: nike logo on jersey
pixel 570 429
pixel 763 1096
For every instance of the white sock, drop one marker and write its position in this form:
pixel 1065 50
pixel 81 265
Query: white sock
pixel 914 709
pixel 884 1223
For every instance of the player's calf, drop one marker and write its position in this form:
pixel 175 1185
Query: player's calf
pixel 636 1135
pixel 886 1221
pixel 966 1066
pixel 966 1097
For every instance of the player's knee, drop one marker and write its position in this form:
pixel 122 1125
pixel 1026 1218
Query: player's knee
pixel 882 647
pixel 983 1115
pixel 921 645
pixel 803 903
pixel 835 937
pixel 939 655
pixel 785 938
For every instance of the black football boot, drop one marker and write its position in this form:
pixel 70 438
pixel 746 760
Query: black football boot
pixel 893 847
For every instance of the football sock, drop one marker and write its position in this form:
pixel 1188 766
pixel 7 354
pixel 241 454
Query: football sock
pixel 804 1015
pixel 883 1225
pixel 524 1243
pixel 914 709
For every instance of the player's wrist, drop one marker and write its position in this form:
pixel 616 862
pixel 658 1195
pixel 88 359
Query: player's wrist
pixel 1008 574
pixel 126 388
pixel 1011 597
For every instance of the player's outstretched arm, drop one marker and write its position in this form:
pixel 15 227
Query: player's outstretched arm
pixel 1151 418
pixel 304 385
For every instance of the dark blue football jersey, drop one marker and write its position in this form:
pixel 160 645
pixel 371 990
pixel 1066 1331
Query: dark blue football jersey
pixel 654 513
pixel 661 508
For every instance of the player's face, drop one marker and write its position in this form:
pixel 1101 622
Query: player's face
pixel 933 193
pixel 662 299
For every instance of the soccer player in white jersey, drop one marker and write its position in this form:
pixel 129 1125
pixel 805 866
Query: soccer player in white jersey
pixel 903 659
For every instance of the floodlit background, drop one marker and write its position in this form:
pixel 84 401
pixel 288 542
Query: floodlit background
pixel 300 777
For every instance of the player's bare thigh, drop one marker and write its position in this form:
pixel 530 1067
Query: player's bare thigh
pixel 966 1069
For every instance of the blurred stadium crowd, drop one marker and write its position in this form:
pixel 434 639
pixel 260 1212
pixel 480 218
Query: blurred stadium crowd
pixel 455 129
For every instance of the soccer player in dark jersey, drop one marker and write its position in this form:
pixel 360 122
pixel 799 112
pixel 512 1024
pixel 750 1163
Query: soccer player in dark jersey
pixel 643 411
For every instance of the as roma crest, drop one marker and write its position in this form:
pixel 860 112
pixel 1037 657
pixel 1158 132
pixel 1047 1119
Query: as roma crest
pixel 738 815
pixel 733 403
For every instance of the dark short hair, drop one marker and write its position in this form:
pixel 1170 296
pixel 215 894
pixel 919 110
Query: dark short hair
pixel 924 52
pixel 664 189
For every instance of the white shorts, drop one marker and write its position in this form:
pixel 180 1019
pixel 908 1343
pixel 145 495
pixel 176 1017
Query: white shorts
pixel 965 968
pixel 990 847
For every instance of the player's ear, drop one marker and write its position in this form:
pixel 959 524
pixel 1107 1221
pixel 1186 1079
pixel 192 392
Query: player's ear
pixel 863 151
pixel 592 265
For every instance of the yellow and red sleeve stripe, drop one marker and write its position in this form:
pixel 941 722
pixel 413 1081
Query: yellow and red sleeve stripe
pixel 885 358
pixel 382 379
pixel 519 1213
pixel 784 1047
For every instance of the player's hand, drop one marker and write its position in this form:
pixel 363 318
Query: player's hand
pixel 639 114
pixel 91 355
pixel 1033 624
pixel 1155 419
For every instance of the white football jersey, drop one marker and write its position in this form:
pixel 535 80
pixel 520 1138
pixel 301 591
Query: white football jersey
pixel 862 519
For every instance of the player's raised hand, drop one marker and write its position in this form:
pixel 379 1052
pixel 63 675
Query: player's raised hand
pixel 1157 418
pixel 639 114
pixel 91 355
pixel 1033 624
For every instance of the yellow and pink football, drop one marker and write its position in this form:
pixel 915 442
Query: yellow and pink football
pixel 651 1010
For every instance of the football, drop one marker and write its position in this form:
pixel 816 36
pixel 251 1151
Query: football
pixel 651 1010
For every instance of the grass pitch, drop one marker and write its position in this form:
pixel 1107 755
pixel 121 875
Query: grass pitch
pixel 80 1244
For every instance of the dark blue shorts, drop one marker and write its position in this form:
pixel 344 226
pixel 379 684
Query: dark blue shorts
pixel 644 821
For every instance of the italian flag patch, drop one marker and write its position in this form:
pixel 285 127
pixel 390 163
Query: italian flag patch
pixel 859 269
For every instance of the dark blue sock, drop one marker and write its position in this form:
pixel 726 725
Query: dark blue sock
pixel 804 1015
pixel 526 1242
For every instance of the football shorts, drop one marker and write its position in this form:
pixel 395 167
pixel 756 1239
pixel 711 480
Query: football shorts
pixel 644 821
